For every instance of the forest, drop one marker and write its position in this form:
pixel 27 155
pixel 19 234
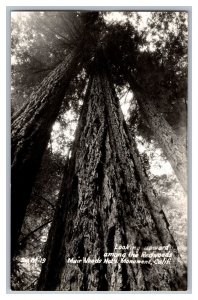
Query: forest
pixel 99 150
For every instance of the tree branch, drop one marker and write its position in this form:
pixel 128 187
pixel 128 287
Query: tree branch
pixel 43 198
pixel 27 287
pixel 33 231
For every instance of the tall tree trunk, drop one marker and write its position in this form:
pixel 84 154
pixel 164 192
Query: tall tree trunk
pixel 31 126
pixel 105 200
pixel 170 143
pixel 30 134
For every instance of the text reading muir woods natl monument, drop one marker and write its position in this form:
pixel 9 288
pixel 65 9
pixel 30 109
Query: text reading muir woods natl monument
pixel 130 254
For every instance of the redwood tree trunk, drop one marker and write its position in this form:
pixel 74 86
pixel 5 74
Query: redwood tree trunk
pixel 30 134
pixel 170 143
pixel 106 201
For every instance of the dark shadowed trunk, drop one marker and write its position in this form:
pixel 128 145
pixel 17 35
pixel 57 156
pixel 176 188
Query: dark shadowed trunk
pixel 170 143
pixel 31 130
pixel 106 201
pixel 31 126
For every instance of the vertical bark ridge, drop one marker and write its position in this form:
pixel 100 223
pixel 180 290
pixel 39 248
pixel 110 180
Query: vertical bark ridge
pixel 111 207
pixel 30 134
pixel 144 207
pixel 82 226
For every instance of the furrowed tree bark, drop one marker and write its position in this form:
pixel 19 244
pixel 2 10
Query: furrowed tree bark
pixel 170 143
pixel 31 127
pixel 30 134
pixel 106 200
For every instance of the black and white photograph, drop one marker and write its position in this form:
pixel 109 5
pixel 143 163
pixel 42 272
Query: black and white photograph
pixel 99 150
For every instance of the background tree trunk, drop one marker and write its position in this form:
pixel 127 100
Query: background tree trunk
pixel 104 202
pixel 31 129
pixel 170 143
